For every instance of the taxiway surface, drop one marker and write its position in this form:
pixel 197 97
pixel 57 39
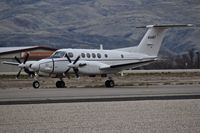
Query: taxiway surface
pixel 61 95
pixel 124 115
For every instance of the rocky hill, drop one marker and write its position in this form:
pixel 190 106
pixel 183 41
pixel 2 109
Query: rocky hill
pixel 89 23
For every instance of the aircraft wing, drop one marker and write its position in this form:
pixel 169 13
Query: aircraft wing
pixel 127 65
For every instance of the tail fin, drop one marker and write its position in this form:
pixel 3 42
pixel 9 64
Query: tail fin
pixel 151 42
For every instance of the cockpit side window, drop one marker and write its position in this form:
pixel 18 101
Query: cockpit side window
pixel 58 54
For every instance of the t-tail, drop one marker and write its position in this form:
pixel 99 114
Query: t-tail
pixel 152 40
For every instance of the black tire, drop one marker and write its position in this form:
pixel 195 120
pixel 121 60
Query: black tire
pixel 109 83
pixel 112 83
pixel 60 84
pixel 36 84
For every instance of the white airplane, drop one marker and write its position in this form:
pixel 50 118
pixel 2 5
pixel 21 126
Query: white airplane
pixel 97 61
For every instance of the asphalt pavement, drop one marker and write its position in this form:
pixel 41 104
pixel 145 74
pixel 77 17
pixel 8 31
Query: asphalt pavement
pixel 63 95
pixel 160 109
pixel 149 116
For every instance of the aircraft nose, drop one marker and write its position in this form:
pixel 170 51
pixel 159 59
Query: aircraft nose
pixel 35 66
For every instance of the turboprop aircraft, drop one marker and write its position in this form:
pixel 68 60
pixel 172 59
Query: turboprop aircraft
pixel 97 61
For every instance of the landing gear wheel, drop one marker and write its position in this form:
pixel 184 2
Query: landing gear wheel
pixel 109 83
pixel 60 84
pixel 36 84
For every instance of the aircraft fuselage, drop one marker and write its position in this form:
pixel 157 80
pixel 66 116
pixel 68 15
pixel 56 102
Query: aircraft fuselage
pixel 92 61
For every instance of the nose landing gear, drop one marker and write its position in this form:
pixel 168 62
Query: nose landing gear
pixel 36 84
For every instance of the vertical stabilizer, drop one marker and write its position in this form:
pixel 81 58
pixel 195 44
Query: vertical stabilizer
pixel 152 40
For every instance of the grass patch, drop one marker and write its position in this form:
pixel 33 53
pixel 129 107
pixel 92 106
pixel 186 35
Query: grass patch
pixel 181 83
pixel 166 83
pixel 167 74
pixel 13 76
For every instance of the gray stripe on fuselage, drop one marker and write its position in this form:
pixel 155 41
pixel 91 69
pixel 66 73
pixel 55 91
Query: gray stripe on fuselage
pixel 98 60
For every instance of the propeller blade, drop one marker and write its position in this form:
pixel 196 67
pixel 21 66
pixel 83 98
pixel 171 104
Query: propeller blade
pixel 17 60
pixel 76 72
pixel 26 58
pixel 10 63
pixel 18 74
pixel 75 69
pixel 26 70
pixel 68 58
pixel 67 71
pixel 76 60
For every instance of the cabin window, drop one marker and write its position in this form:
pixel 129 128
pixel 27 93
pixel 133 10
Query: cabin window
pixel 93 55
pixel 122 56
pixel 70 54
pixel 98 55
pixel 83 55
pixel 88 55
pixel 106 56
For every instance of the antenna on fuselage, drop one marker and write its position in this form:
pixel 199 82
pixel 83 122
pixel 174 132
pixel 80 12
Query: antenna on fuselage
pixel 101 46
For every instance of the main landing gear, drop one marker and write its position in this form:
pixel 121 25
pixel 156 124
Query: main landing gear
pixel 109 83
pixel 60 84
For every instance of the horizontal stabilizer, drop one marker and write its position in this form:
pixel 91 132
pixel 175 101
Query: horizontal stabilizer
pixel 166 26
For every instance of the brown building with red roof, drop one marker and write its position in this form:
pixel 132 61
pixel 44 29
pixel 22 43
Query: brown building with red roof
pixel 35 53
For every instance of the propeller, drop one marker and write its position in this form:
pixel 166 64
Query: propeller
pixel 22 65
pixel 73 66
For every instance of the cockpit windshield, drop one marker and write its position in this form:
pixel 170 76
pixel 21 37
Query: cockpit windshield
pixel 58 54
